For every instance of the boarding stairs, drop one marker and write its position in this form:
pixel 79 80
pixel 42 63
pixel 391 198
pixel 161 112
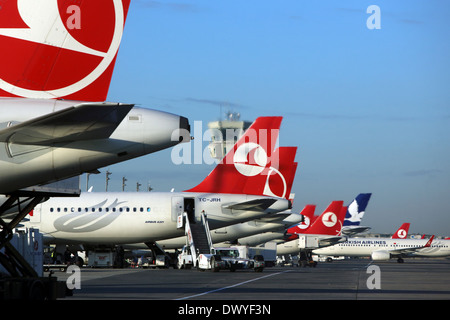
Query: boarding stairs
pixel 198 237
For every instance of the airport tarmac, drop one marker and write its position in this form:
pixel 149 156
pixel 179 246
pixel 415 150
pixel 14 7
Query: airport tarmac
pixel 425 279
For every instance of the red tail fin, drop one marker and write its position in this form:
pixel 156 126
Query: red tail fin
pixel 294 170
pixel 428 244
pixel 245 167
pixel 402 232
pixel 279 176
pixel 330 221
pixel 308 213
pixel 60 49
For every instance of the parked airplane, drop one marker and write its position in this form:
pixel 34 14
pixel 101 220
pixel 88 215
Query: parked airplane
pixel 382 249
pixel 242 190
pixel 327 228
pixel 273 231
pixel 57 62
pixel 293 232
pixel 354 215
pixel 278 222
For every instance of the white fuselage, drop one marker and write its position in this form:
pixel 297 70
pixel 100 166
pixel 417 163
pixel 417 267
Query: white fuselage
pixel 133 217
pixel 141 132
pixel 293 246
pixel 238 231
pixel 365 247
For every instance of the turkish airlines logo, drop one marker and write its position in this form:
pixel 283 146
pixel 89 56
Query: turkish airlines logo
pixel 88 221
pixel 53 48
pixel 250 159
pixel 402 233
pixel 329 219
pixel 305 224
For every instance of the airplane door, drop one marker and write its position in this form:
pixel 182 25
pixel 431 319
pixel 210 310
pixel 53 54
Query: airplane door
pixel 177 208
pixel 189 207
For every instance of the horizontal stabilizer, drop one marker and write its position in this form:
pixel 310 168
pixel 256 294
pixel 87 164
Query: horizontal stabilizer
pixel 85 121
pixel 277 217
pixel 353 230
pixel 329 241
pixel 252 205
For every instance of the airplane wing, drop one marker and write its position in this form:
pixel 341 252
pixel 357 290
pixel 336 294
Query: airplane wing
pixel 406 251
pixel 85 121
pixel 252 205
pixel 277 217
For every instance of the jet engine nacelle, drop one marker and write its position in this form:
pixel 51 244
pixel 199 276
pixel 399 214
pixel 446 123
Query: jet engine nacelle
pixel 380 255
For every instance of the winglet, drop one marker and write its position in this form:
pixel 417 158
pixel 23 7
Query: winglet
pixel 428 244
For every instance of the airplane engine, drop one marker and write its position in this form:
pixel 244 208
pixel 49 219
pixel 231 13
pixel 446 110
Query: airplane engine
pixel 380 255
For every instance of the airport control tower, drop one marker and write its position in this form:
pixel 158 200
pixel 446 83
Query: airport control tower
pixel 225 133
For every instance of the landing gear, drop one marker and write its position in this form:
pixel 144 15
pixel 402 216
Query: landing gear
pixel 306 259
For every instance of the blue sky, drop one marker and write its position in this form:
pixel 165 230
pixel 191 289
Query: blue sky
pixel 368 109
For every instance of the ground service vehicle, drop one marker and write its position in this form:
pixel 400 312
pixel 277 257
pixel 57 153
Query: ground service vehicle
pixel 233 261
pixel 184 260
pixel 268 252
